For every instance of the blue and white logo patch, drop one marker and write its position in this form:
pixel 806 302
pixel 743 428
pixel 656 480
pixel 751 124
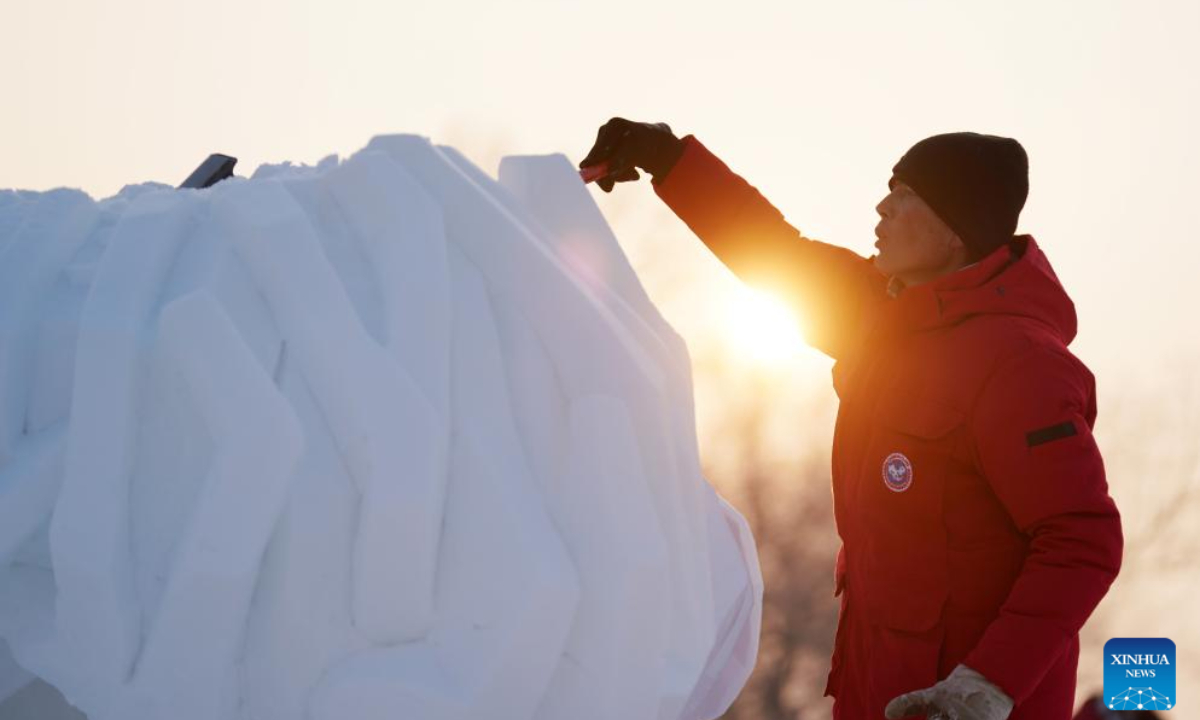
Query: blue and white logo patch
pixel 1139 674
pixel 897 472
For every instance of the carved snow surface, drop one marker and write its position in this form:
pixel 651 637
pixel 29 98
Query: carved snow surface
pixel 381 438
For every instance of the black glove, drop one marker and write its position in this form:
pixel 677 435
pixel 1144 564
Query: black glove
pixel 626 144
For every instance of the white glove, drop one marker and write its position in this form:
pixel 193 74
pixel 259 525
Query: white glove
pixel 963 695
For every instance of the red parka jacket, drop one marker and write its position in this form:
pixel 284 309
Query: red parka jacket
pixel 968 491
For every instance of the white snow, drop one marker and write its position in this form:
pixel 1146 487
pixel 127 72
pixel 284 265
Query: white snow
pixel 384 437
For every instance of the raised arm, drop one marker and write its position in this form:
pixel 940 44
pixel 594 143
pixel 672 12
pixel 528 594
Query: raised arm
pixel 834 289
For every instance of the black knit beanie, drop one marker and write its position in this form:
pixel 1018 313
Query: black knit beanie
pixel 976 184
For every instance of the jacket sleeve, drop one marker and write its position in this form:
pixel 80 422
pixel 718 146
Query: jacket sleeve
pixel 1032 433
pixel 834 290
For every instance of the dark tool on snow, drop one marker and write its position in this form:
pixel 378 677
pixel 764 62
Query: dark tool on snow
pixel 212 171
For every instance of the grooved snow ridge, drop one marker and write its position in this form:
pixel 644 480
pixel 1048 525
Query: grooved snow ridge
pixel 380 438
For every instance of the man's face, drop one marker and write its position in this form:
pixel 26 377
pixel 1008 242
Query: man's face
pixel 914 243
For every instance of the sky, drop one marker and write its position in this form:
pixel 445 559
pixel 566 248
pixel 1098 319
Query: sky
pixel 811 102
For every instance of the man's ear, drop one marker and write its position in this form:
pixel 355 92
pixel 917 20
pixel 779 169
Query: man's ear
pixel 960 249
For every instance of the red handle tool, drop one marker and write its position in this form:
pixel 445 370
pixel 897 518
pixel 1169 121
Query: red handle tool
pixel 594 172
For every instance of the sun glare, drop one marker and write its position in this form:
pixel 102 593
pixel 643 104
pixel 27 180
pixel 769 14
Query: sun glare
pixel 763 328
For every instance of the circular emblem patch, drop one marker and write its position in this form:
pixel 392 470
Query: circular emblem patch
pixel 897 472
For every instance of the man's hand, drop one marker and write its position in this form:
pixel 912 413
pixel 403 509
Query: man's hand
pixel 963 695
pixel 627 145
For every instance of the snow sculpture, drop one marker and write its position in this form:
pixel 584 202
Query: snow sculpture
pixel 380 438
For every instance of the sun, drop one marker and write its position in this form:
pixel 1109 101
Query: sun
pixel 762 327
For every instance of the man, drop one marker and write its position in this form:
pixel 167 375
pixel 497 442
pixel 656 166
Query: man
pixel 977 530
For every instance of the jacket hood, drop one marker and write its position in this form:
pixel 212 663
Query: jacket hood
pixel 1015 279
